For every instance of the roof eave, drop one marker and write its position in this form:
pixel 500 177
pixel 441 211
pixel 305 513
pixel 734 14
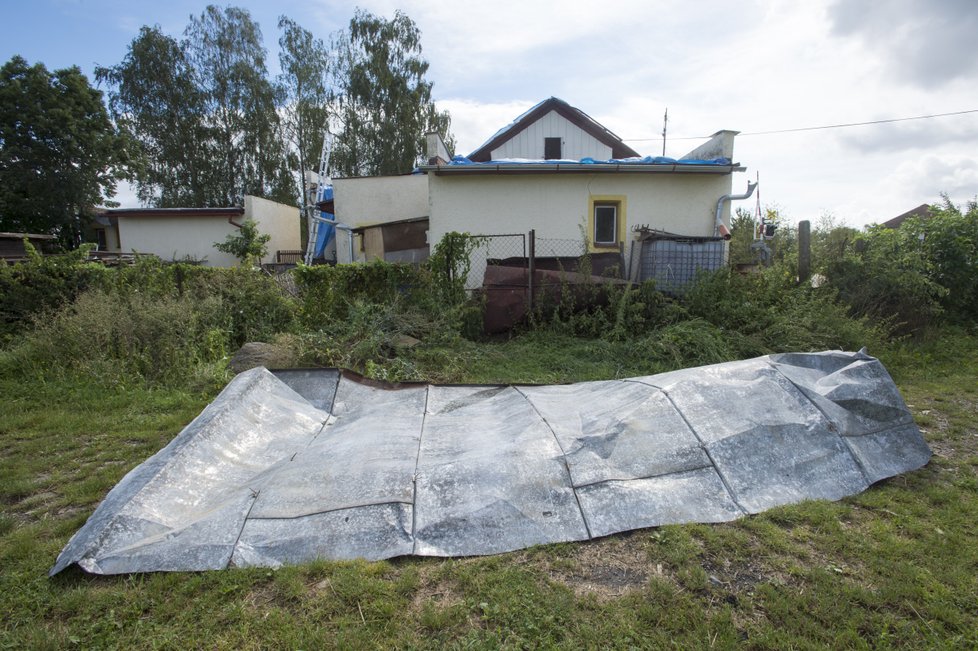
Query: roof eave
pixel 579 168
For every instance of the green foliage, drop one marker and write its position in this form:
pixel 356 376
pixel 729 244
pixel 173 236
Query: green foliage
pixel 60 156
pixel 949 242
pixel 42 284
pixel 887 278
pixel 303 88
pixel 385 103
pixel 248 245
pixel 742 231
pixel 768 312
pixel 203 113
pixel 151 322
pixel 450 263
pixel 378 318
pixel 119 338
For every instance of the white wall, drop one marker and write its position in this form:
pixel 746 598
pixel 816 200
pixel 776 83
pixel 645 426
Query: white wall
pixel 370 200
pixel 178 237
pixel 556 205
pixel 576 143
pixel 280 221
pixel 380 199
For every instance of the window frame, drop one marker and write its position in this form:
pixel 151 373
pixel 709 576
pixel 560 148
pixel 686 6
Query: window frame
pixel 619 202
pixel 599 205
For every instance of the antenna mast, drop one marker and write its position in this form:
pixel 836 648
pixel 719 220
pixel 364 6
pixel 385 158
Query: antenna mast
pixel 665 123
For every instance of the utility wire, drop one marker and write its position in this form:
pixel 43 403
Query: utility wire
pixel 819 128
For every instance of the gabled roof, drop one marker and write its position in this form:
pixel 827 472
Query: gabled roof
pixel 922 211
pixel 573 115
pixel 231 211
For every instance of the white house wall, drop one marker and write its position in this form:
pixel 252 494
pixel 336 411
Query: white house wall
pixel 280 221
pixel 380 199
pixel 178 237
pixel 575 142
pixel 556 205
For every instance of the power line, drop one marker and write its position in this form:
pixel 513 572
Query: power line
pixel 819 128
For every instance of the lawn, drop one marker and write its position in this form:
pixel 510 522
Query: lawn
pixel 893 567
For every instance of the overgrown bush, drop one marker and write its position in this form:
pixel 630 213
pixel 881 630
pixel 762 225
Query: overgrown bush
pixel 43 284
pixel 117 338
pixel 768 312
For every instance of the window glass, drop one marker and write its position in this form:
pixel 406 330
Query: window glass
pixel 551 148
pixel 605 226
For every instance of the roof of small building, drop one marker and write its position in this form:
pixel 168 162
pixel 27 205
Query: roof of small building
pixel 231 211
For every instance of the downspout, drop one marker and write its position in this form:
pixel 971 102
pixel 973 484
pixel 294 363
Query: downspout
pixel 720 228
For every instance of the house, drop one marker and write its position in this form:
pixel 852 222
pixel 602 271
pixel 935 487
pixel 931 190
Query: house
pixel 12 248
pixel 923 211
pixel 388 216
pixel 558 171
pixel 190 233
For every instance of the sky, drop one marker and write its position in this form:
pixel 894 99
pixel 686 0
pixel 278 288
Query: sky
pixel 751 66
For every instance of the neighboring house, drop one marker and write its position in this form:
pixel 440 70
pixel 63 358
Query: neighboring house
pixel 557 171
pixel 923 211
pixel 367 204
pixel 12 247
pixel 190 233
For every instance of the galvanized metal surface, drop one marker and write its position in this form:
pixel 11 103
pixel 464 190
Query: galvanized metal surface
pixel 306 464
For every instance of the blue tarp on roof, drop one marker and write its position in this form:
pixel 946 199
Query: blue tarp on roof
pixel 645 160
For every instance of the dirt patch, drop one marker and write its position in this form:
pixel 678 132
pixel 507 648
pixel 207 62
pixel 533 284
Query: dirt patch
pixel 606 568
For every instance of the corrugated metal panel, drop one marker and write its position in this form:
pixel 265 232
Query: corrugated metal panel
pixel 577 143
pixel 673 264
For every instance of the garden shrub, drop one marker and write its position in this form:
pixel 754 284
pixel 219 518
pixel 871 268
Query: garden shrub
pixel 43 284
pixel 116 338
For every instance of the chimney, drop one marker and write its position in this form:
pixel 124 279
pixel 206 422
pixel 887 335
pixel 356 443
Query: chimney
pixel 437 151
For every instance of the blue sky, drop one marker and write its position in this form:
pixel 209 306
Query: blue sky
pixel 753 65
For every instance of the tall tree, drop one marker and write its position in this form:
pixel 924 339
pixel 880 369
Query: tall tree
pixel 227 57
pixel 203 111
pixel 304 95
pixel 384 102
pixel 60 155
pixel 154 99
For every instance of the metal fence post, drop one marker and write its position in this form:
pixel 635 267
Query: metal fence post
pixel 531 267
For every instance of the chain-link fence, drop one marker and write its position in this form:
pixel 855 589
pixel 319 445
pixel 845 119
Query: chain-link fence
pixel 507 250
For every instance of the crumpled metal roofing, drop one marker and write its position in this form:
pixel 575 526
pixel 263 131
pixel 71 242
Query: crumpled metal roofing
pixel 306 464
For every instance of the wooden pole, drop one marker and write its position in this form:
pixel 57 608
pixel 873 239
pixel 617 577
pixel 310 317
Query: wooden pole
pixel 804 251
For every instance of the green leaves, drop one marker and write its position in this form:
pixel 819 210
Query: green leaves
pixel 248 245
pixel 60 156
pixel 203 112
pixel 384 100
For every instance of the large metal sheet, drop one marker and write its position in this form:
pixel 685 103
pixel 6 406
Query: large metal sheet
pixel 491 476
pixel 266 475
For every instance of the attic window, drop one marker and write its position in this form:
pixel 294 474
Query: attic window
pixel 551 148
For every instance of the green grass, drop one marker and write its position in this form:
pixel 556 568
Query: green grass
pixel 893 567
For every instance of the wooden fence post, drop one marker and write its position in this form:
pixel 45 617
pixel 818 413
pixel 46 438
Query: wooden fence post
pixel 804 250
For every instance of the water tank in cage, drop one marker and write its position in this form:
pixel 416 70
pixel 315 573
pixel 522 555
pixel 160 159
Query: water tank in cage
pixel 673 263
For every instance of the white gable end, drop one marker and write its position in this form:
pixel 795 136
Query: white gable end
pixel 575 142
